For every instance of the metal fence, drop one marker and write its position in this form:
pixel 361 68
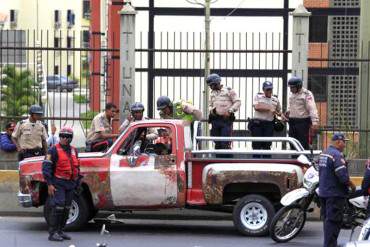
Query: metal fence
pixel 339 78
pixel 51 68
pixel 244 60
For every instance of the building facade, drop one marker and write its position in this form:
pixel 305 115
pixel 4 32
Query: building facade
pixel 333 71
pixel 63 25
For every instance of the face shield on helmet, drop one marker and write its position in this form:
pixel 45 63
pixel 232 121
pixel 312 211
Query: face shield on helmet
pixel 66 133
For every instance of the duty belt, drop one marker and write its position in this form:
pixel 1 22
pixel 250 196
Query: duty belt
pixel 300 120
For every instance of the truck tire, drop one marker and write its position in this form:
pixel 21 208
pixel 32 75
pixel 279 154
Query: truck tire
pixel 78 216
pixel 252 215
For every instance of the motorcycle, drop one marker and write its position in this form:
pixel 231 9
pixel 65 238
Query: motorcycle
pixel 365 231
pixel 289 221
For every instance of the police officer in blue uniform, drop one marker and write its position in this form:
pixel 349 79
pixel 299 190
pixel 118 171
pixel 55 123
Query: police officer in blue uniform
pixel 62 173
pixel 333 188
pixel 366 185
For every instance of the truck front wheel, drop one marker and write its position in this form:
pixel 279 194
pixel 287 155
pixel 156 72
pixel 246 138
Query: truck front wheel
pixel 78 215
pixel 252 215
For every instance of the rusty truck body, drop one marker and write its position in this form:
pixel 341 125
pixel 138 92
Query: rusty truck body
pixel 173 172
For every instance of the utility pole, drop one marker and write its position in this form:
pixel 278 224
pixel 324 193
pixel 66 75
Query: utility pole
pixel 207 29
pixel 207 24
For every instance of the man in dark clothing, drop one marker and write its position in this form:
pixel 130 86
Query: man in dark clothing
pixel 333 188
pixel 6 143
pixel 61 171
pixel 366 185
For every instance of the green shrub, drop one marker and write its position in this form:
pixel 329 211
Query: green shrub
pixel 87 119
pixel 80 99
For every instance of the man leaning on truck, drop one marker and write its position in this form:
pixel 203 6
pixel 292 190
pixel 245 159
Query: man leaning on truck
pixel 100 136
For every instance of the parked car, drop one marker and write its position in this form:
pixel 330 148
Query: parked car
pixel 61 83
pixel 175 174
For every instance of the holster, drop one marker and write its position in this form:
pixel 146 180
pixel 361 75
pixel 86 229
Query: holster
pixel 213 116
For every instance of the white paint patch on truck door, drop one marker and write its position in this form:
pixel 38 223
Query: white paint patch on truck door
pixel 143 185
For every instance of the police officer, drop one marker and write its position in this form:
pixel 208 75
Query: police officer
pixel 224 102
pixel 61 171
pixel 302 112
pixel 137 114
pixel 333 188
pixel 30 135
pixel 366 185
pixel 100 136
pixel 178 110
pixel 266 106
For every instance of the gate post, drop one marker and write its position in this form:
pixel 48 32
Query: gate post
pixel 127 59
pixel 300 42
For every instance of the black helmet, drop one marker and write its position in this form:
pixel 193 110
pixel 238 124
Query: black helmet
pixel 137 106
pixel 213 79
pixel 163 102
pixel 36 109
pixel 295 81
pixel 267 85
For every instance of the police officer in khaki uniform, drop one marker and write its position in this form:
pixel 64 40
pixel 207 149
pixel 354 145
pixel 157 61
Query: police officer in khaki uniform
pixel 302 112
pixel 266 106
pixel 178 110
pixel 100 136
pixel 224 102
pixel 30 135
pixel 137 114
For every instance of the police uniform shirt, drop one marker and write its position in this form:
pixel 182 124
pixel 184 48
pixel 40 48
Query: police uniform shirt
pixel 333 172
pixel 152 133
pixel 224 100
pixel 302 105
pixel 30 135
pixel 273 102
pixel 99 124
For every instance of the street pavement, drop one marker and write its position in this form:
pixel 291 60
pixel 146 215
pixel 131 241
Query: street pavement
pixel 32 232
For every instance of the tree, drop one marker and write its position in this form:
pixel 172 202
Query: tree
pixel 18 91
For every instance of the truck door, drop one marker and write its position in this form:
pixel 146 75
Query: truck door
pixel 143 170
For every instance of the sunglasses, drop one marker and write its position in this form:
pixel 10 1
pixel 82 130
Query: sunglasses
pixel 65 136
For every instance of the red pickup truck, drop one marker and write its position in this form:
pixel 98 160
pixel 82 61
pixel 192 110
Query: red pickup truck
pixel 172 172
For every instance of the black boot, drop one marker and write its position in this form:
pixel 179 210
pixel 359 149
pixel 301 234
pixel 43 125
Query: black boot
pixel 63 223
pixel 55 237
pixel 54 217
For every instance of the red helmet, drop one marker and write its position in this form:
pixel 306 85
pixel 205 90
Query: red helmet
pixel 66 131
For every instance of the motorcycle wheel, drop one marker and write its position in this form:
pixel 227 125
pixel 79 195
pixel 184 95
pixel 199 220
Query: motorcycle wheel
pixel 287 223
